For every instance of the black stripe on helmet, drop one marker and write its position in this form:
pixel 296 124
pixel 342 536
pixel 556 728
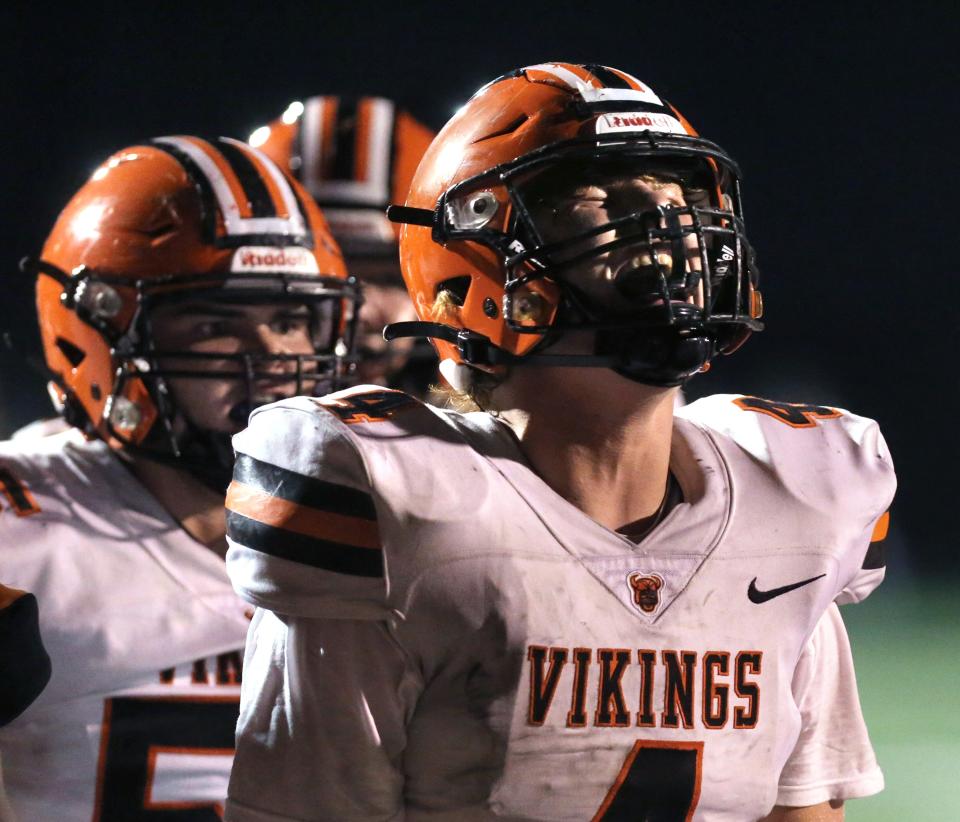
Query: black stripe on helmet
pixel 208 200
pixel 392 159
pixel 344 140
pixel 317 553
pixel 304 490
pixel 295 163
pixel 610 79
pixel 255 189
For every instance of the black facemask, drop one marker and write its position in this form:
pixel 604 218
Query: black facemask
pixel 667 321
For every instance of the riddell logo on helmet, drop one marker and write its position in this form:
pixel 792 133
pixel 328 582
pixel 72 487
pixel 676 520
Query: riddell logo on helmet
pixel 638 121
pixel 268 258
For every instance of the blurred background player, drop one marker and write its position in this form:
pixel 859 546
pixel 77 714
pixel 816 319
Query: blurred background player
pixel 356 156
pixel 184 284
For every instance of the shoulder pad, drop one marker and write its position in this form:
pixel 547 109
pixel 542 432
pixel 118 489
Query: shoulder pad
pixel 37 466
pixel 829 461
pixel 823 456
pixel 301 517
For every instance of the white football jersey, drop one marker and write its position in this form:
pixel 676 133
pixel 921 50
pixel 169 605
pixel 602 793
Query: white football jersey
pixel 443 637
pixel 145 637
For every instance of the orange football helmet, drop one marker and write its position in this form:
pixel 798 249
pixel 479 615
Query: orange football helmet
pixel 355 157
pixel 181 217
pixel 469 231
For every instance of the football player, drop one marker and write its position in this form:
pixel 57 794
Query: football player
pixel 186 282
pixel 355 156
pixel 572 604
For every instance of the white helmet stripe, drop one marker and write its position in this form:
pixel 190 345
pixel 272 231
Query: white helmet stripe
pixel 596 95
pixel 290 203
pixel 235 224
pixel 375 190
pixel 380 147
pixel 561 73
pixel 311 142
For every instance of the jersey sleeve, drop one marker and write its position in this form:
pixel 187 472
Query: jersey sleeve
pixel 862 579
pixel 322 723
pixel 833 758
pixel 302 519
pixel 870 469
pixel 829 469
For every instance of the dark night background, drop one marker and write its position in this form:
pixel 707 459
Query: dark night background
pixel 840 115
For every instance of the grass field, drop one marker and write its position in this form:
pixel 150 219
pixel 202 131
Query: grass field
pixel 906 644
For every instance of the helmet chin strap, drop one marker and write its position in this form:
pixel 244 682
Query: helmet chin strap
pixel 177 441
pixel 666 356
pixel 205 455
pixel 208 456
pixel 476 349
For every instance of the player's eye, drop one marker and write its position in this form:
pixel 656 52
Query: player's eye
pixel 212 328
pixel 587 202
pixel 290 324
pixel 577 208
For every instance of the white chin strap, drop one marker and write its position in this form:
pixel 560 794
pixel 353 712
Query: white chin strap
pixel 458 376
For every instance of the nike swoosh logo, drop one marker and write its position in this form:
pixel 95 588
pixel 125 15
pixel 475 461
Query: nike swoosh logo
pixel 757 596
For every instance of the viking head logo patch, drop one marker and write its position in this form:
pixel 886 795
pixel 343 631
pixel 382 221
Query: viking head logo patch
pixel 646 590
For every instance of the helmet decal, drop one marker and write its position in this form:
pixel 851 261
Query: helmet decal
pixel 345 150
pixel 251 194
pixel 355 156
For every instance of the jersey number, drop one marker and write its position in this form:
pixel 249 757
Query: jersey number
pixel 16 493
pixel 165 758
pixel 659 782
pixel 794 414
pixel 372 406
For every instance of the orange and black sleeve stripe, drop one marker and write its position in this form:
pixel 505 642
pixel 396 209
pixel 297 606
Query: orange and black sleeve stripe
pixel 303 519
pixel 876 554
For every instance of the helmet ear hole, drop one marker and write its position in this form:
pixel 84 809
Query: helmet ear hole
pixel 74 354
pixel 456 288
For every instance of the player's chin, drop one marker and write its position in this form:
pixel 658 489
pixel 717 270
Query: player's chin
pixel 239 412
pixel 224 415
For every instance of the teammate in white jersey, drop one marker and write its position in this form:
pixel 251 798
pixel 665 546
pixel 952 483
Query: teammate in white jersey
pixel 576 603
pixel 186 282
